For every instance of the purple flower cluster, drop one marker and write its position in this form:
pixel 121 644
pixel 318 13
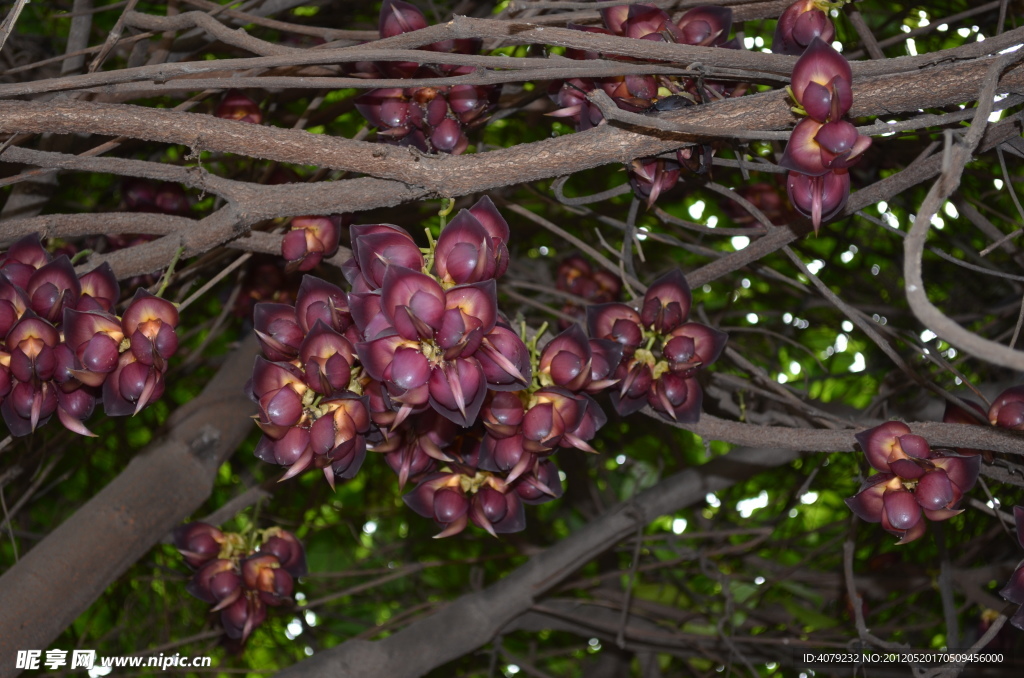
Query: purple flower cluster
pixel 432 119
pixel 418 364
pixel 705 26
pixel 64 349
pixel 915 482
pixel 662 350
pixel 240 577
pixel 824 145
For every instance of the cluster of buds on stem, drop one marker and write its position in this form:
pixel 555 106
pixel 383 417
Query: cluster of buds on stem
pixel 915 482
pixel 801 23
pixel 432 119
pixel 239 574
pixel 64 349
pixel 662 350
pixel 704 26
pixel 312 239
pixel 418 364
pixel 824 145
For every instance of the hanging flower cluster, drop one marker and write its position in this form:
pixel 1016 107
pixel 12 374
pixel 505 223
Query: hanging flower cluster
pixel 824 145
pixel 432 119
pixel 915 482
pixel 662 350
pixel 418 364
pixel 704 26
pixel 64 349
pixel 801 23
pixel 241 575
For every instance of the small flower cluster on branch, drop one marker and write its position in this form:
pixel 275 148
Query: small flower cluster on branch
pixel 705 26
pixel 824 145
pixel 432 119
pixel 241 575
pixel 417 363
pixel 915 482
pixel 64 349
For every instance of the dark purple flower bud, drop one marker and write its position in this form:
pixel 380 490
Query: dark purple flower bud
pixel 465 251
pixel 450 504
pixel 28 407
pixel 22 259
pixel 881 444
pixel 497 512
pixel 1006 410
pixel 900 510
pixel 198 543
pixel 1014 589
pixel 413 302
pixel 503 414
pixel 617 322
pixel 800 24
pixel 242 617
pixel 666 303
pixel 470 313
pixel 338 437
pixel 31 342
pixel 320 300
pixel 840 145
pixel 962 471
pixel 155 319
pixel 821 82
pixel 554 412
pixel 447 137
pixel 605 358
pixel 52 288
pixel 100 290
pixel 706 26
pixel 397 17
pixel 934 491
pixel 386 109
pixel 74 407
pixel 650 177
pixel 505 360
pixel 818 198
pixel 237 106
pixel 376 247
pixel 540 485
pixel 505 455
pixel 95 338
pixel 566 360
pixel 216 581
pixel 310 240
pixel 263 572
pixel 13 305
pixel 287 549
pixel 457 390
pixel 678 397
pixel 279 334
pixel 327 359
